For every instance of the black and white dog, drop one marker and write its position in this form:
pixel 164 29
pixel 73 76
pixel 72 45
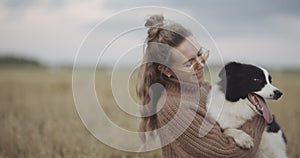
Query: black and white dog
pixel 238 97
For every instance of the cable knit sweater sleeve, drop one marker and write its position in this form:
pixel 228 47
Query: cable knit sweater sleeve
pixel 214 144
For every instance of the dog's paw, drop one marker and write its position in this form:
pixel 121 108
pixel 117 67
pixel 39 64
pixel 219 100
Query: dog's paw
pixel 241 138
pixel 244 140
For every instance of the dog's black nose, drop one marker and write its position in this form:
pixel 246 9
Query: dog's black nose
pixel 277 94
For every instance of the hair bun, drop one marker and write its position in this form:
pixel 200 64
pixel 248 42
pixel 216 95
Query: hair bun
pixel 155 20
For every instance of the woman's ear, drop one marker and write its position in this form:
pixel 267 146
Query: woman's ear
pixel 164 70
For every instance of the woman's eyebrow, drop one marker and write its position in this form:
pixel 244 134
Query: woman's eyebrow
pixel 188 61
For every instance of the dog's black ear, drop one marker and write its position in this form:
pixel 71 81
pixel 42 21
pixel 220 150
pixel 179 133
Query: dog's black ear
pixel 233 66
pixel 228 69
pixel 228 84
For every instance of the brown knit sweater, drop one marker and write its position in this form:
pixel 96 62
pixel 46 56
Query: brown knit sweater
pixel 187 142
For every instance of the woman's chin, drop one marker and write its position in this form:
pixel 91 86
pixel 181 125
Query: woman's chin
pixel 199 75
pixel 197 78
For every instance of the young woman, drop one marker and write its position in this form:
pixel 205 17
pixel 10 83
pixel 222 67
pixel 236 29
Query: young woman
pixel 175 60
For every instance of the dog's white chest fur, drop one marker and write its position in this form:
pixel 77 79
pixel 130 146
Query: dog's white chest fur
pixel 232 115
pixel 228 114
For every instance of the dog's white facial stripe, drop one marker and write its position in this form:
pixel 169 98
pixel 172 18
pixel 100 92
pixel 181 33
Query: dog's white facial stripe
pixel 268 90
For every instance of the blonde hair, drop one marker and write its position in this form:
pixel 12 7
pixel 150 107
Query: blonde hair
pixel 161 32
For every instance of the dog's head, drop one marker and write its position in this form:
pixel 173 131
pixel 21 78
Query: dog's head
pixel 247 81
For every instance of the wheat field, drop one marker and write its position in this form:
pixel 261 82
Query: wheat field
pixel 38 118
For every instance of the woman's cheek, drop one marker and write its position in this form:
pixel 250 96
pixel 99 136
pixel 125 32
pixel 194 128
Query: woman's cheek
pixel 189 76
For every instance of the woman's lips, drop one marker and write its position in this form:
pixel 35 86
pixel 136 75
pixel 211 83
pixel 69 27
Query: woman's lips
pixel 199 73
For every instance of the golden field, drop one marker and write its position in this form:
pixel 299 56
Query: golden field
pixel 38 118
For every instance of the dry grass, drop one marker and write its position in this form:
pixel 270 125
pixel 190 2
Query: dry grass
pixel 38 116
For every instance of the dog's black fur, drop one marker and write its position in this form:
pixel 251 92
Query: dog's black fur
pixel 239 80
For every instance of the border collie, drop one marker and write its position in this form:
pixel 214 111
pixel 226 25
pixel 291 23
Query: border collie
pixel 238 97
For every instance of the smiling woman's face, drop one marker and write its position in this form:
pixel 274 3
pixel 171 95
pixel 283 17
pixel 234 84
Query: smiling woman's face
pixel 188 61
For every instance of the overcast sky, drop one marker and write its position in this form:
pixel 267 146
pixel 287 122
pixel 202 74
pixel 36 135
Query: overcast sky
pixel 262 32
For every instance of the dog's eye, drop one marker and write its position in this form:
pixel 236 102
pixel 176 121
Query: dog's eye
pixel 257 80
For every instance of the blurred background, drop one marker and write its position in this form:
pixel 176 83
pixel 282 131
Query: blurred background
pixel 39 40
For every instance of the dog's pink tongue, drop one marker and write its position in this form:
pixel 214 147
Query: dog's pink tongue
pixel 266 111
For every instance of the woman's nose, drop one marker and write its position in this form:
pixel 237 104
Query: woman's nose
pixel 200 61
pixel 197 65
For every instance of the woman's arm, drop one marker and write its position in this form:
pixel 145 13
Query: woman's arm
pixel 215 143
